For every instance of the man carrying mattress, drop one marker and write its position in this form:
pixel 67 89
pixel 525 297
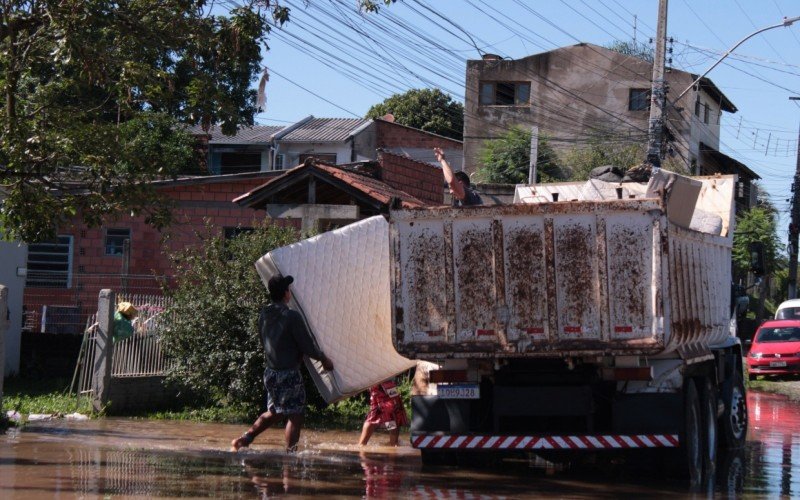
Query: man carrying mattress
pixel 286 339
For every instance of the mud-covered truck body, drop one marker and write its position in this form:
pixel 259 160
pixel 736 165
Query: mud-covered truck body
pixel 598 321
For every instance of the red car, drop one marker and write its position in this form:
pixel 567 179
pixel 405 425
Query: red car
pixel 775 349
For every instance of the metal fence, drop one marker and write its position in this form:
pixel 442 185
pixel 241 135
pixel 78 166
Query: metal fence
pixel 137 356
pixel 141 355
pixel 55 306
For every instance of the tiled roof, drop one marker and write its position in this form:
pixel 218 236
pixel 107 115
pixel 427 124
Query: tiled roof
pixel 376 189
pixel 246 135
pixel 373 188
pixel 324 129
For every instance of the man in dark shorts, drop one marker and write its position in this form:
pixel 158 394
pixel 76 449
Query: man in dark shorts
pixel 285 339
pixel 460 185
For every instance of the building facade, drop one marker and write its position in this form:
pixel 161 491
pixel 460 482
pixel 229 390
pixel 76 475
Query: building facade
pixel 585 92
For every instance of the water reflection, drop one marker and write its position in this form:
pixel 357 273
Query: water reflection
pixel 157 459
pixel 773 458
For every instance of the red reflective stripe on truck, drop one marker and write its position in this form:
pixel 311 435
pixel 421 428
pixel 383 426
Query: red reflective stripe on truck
pixel 480 332
pixel 572 329
pixel 534 330
pixel 623 329
pixel 566 442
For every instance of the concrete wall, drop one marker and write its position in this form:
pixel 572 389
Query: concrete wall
pixel 575 92
pixel 293 150
pixel 13 256
pixel 134 394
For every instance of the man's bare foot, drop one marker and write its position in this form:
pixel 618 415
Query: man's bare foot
pixel 239 442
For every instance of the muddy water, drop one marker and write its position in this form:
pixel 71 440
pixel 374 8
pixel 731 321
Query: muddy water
pixel 135 458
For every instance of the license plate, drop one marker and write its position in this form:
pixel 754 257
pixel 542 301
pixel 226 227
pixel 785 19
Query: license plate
pixel 777 364
pixel 458 391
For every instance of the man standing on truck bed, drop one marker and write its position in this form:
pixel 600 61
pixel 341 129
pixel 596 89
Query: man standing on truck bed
pixel 285 339
pixel 460 186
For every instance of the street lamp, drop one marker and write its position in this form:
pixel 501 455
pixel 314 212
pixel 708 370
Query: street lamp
pixel 787 21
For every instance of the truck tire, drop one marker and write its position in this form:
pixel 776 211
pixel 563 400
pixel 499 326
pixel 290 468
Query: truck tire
pixel 710 435
pixel 689 462
pixel 734 419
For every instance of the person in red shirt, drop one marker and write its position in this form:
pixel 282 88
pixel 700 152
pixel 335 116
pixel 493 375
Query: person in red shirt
pixel 385 409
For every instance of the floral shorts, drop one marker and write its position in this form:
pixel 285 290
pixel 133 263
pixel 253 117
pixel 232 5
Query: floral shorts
pixel 285 391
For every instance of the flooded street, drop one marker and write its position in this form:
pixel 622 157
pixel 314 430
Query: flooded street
pixel 137 458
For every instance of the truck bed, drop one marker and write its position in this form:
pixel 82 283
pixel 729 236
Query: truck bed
pixel 577 277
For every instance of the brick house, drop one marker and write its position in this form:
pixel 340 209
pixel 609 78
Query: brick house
pixel 323 196
pixel 64 277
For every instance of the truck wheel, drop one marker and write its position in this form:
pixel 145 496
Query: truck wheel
pixel 691 452
pixel 734 419
pixel 708 404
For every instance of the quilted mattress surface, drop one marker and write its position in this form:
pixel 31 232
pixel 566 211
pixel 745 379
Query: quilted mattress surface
pixel 342 289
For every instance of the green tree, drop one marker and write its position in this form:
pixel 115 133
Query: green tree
pixel 635 49
pixel 506 160
pixel 94 92
pixel 759 224
pixel 212 334
pixel 430 110
pixel 599 150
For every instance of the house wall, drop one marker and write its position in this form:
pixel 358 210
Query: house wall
pixel 575 92
pixel 92 270
pixel 13 256
pixel 421 180
pixel 416 144
pixel 293 150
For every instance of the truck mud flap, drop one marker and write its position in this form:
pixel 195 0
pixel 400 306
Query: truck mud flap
pixel 432 414
pixel 652 413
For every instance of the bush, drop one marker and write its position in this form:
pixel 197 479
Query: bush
pixel 212 333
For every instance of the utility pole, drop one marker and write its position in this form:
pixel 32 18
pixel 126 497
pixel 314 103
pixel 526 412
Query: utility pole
pixel 658 92
pixel 534 155
pixel 794 225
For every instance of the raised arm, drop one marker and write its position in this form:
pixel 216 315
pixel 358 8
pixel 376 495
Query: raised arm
pixel 456 187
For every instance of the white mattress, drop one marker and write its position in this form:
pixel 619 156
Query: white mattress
pixel 342 289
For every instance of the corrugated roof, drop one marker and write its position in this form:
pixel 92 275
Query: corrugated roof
pixel 324 129
pixel 247 135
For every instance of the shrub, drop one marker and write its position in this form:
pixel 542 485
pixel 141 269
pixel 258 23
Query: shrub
pixel 212 333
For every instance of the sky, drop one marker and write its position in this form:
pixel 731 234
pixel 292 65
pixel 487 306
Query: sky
pixel 330 60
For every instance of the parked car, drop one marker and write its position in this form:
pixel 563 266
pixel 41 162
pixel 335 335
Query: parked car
pixel 775 349
pixel 789 309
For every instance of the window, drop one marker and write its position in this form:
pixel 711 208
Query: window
pixel 278 162
pixel 323 157
pixel 115 240
pixel 505 93
pixel 237 163
pixel 705 114
pixel 50 263
pixel 639 99
pixel 697 108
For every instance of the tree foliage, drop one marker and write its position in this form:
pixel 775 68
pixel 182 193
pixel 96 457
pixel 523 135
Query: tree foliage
pixel 212 334
pixel 92 94
pixel 600 150
pixel 430 110
pixel 506 160
pixel 759 224
pixel 635 49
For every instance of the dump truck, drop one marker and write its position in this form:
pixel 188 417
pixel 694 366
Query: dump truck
pixel 585 316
